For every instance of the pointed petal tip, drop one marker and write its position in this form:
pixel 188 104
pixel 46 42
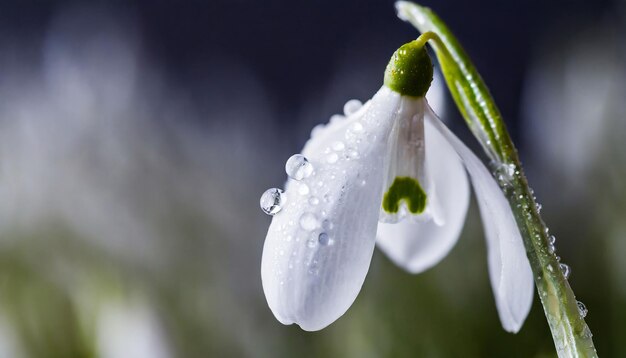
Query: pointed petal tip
pixel 416 246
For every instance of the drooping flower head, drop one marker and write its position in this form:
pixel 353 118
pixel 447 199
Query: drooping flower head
pixel 389 169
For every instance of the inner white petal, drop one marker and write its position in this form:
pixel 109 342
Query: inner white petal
pixel 417 246
pixel 406 158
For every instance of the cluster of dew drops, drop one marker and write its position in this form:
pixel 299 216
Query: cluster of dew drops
pixel 505 174
pixel 298 168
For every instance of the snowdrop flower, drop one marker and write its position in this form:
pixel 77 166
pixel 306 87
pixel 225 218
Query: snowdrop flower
pixel 388 169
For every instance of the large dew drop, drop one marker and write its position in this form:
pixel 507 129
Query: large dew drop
pixel 298 167
pixel 272 201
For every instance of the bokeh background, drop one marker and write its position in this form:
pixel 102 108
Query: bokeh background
pixel 137 136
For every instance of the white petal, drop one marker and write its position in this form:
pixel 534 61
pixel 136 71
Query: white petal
pixel 509 269
pixel 312 281
pixel 417 246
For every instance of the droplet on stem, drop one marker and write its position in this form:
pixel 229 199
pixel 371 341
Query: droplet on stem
pixel 566 270
pixel 582 309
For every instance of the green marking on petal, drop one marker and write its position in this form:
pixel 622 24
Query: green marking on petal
pixel 407 189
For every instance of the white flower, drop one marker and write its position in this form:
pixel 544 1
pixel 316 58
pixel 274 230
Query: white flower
pixel 392 150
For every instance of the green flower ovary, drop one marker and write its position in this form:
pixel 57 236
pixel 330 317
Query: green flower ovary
pixel 410 70
pixel 407 189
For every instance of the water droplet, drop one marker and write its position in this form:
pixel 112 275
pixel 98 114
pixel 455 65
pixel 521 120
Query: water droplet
pixel 332 158
pixel 313 268
pixel 566 270
pixel 551 249
pixel 308 221
pixel 363 182
pixel 303 189
pixel 311 243
pixel 550 268
pixel 352 153
pixel 323 239
pixel 551 239
pixel 505 173
pixel 338 146
pixel 317 130
pixel 539 207
pixel 327 225
pixel 582 309
pixel 336 118
pixel 272 201
pixel 314 201
pixel 356 127
pixel 298 167
pixel 352 106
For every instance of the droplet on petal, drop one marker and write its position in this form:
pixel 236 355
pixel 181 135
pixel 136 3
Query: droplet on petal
pixel 356 127
pixel 298 167
pixel 338 146
pixel 314 200
pixel 308 221
pixel 336 118
pixel 317 130
pixel 303 189
pixel 332 158
pixel 323 239
pixel 272 201
pixel 352 106
pixel 352 153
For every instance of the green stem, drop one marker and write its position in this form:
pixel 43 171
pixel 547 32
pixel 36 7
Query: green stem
pixel 571 334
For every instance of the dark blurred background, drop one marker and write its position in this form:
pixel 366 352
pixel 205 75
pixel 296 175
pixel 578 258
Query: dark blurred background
pixel 137 136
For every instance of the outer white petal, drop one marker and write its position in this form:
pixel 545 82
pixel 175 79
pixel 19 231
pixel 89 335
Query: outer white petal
pixel 509 269
pixel 312 282
pixel 417 246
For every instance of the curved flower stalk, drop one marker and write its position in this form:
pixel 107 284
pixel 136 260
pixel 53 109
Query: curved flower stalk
pixel 388 169
pixel 565 315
